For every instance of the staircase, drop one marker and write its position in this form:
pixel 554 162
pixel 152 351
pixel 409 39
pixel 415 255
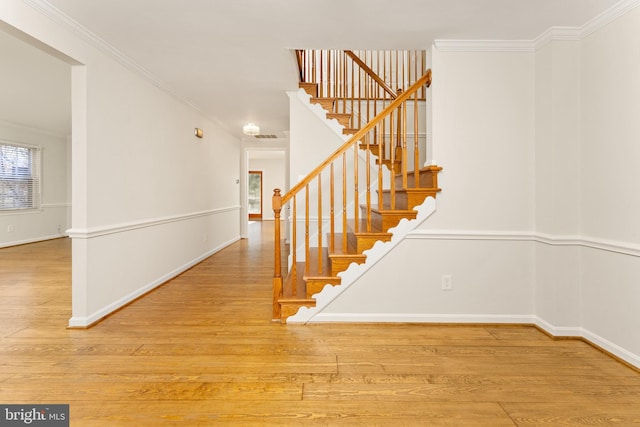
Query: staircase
pixel 374 180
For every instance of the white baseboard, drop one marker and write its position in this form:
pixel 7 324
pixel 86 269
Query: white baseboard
pixel 579 332
pixel 84 322
pixel 558 331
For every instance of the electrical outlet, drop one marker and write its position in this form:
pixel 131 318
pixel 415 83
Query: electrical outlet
pixel 446 282
pixel 10 229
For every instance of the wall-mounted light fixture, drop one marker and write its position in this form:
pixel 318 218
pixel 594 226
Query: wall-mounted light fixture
pixel 251 129
pixel 198 132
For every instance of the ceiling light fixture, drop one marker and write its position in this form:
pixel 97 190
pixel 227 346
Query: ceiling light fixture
pixel 251 129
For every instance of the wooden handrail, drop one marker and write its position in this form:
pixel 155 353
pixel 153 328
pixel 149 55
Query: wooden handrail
pixel 425 80
pixel 371 73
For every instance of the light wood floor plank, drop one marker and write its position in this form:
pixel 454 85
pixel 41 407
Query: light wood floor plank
pixel 201 350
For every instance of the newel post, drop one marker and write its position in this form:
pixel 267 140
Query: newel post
pixel 276 202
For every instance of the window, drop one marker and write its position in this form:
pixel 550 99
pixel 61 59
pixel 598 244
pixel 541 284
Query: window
pixel 19 177
pixel 255 195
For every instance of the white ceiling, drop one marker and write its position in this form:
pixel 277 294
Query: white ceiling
pixel 232 58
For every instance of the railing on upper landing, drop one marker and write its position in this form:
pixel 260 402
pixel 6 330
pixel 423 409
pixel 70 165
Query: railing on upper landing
pixel 356 78
pixel 350 184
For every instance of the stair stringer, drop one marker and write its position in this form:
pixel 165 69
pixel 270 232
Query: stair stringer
pixel 350 276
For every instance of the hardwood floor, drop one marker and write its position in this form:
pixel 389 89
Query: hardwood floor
pixel 201 350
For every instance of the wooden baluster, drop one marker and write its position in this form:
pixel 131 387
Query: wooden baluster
pixel 416 143
pixel 397 67
pixel 299 62
pixel 329 74
pixel 368 174
pixel 319 223
pixel 294 245
pixel 380 68
pixel 399 124
pixel 313 67
pixel 307 248
pixel 356 195
pixel 380 142
pixel 344 202
pixel 383 139
pixel 385 71
pixel 409 56
pixel 368 96
pixel 398 152
pixel 361 79
pixel 424 62
pixel 276 203
pixel 344 83
pixel 402 68
pixel 405 159
pixel 416 66
pixel 352 91
pixel 392 149
pixel 332 242
pixel 322 82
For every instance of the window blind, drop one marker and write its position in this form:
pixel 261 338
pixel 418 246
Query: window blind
pixel 19 177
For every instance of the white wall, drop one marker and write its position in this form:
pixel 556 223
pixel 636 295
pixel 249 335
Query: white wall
pixel 610 202
pixel 557 184
pixel 483 127
pixel 149 199
pixel 311 140
pixel 51 220
pixel 478 234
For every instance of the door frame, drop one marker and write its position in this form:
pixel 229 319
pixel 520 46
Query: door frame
pixel 257 216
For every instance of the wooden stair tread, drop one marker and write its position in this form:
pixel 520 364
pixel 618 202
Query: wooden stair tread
pixel 326 103
pixel 287 290
pixel 337 247
pixel 343 118
pixel 314 267
pixel 310 88
pixel 362 227
pixel 384 210
pixel 428 177
pixel 350 131
pixel 413 190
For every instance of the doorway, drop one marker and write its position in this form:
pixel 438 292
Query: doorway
pixel 254 201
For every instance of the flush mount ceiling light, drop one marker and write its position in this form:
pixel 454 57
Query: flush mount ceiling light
pixel 198 132
pixel 251 129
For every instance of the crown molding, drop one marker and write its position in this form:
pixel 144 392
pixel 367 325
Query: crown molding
pixel 614 12
pixel 556 34
pixel 552 34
